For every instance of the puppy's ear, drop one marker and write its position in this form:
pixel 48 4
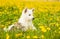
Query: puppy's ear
pixel 32 9
pixel 25 10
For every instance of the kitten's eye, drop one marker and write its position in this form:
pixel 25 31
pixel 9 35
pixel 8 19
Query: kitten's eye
pixel 29 14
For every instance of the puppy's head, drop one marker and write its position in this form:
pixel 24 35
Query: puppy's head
pixel 28 13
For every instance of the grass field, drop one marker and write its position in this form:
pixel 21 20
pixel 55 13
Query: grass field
pixel 47 20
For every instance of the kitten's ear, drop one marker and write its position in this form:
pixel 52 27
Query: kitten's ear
pixel 25 10
pixel 32 9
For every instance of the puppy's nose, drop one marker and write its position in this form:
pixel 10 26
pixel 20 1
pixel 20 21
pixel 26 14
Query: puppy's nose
pixel 33 18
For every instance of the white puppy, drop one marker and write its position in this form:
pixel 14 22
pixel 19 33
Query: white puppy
pixel 25 21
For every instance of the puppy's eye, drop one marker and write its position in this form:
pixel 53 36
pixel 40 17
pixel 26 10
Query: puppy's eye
pixel 29 14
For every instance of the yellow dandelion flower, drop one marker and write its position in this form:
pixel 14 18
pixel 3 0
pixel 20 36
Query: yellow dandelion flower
pixel 41 26
pixel 48 28
pixel 59 28
pixel 17 35
pixel 51 24
pixel 41 9
pixel 58 19
pixel 43 29
pixel 59 32
pixel 35 36
pixel 57 24
pixel 28 36
pixel 7 36
pixel 42 36
pixel 50 18
pixel 9 22
pixel 2 26
pixel 55 31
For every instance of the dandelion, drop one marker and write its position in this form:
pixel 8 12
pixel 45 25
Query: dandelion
pixel 59 32
pixel 57 24
pixel 41 9
pixel 50 18
pixel 20 34
pixel 43 29
pixel 28 36
pixel 2 26
pixel 35 36
pixel 59 28
pixel 51 24
pixel 55 31
pixel 58 19
pixel 42 36
pixel 48 28
pixel 9 22
pixel 41 26
pixel 7 36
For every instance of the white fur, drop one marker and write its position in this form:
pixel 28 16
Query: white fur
pixel 25 20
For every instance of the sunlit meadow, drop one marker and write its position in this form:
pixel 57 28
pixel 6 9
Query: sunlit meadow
pixel 47 19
